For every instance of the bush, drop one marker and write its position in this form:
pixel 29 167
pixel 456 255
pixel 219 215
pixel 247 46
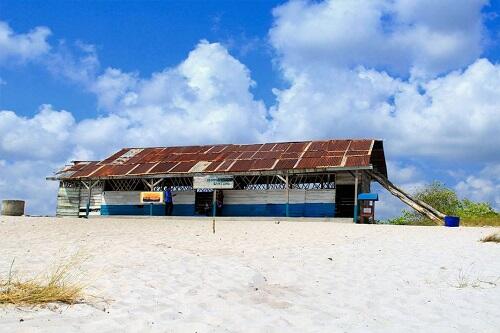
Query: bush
pixel 470 208
pixel 446 201
pixel 440 197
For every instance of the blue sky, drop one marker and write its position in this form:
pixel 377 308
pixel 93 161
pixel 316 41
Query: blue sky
pixel 81 79
pixel 137 36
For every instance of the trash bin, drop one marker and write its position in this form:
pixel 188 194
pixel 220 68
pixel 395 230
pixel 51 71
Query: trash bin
pixel 451 221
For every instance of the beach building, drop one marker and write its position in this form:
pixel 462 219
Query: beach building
pixel 296 179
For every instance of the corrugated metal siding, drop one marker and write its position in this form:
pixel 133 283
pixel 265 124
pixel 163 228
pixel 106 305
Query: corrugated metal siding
pixel 68 200
pixel 245 197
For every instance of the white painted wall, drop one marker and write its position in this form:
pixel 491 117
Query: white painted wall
pixel 233 197
pixel 133 197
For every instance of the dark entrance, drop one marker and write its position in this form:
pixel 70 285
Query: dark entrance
pixel 203 203
pixel 344 201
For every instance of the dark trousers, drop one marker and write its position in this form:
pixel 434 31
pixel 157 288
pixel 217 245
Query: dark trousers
pixel 169 207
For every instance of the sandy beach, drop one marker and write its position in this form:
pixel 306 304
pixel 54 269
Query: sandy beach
pixel 255 276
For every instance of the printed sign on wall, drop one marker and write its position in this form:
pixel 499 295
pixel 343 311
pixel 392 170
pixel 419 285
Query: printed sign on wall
pixel 151 197
pixel 213 182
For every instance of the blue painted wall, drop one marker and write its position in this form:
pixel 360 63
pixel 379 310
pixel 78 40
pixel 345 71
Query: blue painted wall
pixel 295 210
pixel 158 210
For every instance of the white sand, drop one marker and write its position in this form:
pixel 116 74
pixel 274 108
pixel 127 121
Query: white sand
pixel 166 276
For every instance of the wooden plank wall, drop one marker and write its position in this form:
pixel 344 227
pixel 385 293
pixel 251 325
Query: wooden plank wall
pixel 95 201
pixel 68 200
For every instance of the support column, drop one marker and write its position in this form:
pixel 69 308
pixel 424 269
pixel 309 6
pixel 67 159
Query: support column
pixel 87 207
pixel 287 195
pixel 355 216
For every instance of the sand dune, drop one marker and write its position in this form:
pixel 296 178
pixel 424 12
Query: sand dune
pixel 254 276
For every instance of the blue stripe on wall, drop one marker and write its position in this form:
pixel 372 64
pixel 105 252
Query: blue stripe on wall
pixel 295 210
pixel 158 210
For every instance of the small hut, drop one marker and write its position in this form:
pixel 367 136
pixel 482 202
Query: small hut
pixel 296 179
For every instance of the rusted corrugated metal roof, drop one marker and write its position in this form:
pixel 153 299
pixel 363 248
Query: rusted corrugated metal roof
pixel 310 155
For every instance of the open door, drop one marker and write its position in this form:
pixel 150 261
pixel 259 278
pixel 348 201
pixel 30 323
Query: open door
pixel 344 201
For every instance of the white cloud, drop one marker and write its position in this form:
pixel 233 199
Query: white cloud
pixel 25 180
pixel 483 186
pixel 22 47
pixel 45 136
pixel 451 117
pixel 206 98
pixel 419 37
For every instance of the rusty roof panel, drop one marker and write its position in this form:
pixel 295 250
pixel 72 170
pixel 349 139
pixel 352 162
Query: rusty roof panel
pixel 267 155
pixel 109 169
pixel 218 149
pixel 318 146
pixel 357 152
pixel 163 167
pixel 225 165
pixel 307 163
pixel 213 166
pixel 290 155
pixel 254 147
pixel 297 147
pixel 242 165
pixel 285 164
pixel 76 167
pixel 246 155
pixel 233 155
pixel 360 145
pixel 267 147
pixel 313 154
pixel 115 156
pixel 337 145
pixel 143 168
pixel 262 164
pixel 87 171
pixel 281 146
pixel 357 161
pixel 335 153
pixel 231 158
pixel 328 162
pixel 183 166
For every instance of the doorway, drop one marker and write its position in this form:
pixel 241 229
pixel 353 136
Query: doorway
pixel 344 201
pixel 203 203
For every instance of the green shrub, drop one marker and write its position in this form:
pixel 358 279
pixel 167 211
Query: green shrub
pixel 446 201
pixel 470 208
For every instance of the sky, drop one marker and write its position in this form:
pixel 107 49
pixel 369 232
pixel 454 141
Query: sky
pixel 81 79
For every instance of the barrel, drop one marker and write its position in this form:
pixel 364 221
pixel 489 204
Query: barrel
pixel 13 207
pixel 451 221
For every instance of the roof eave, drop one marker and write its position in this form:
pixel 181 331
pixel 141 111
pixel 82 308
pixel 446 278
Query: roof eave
pixel 243 173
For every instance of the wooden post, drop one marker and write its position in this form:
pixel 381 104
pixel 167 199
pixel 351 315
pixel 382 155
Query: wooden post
pixel 214 210
pixel 355 218
pixel 87 208
pixel 287 195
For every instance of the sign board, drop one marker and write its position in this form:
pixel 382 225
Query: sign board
pixel 151 197
pixel 213 182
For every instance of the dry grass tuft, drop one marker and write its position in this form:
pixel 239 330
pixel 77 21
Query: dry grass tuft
pixel 60 285
pixel 495 238
pixel 492 221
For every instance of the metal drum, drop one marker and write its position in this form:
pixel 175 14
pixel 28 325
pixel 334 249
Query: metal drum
pixel 13 207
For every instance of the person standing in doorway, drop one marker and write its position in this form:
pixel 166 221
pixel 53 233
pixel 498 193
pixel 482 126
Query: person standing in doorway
pixel 169 203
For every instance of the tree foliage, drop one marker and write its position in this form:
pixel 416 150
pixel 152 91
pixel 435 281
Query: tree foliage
pixel 446 201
